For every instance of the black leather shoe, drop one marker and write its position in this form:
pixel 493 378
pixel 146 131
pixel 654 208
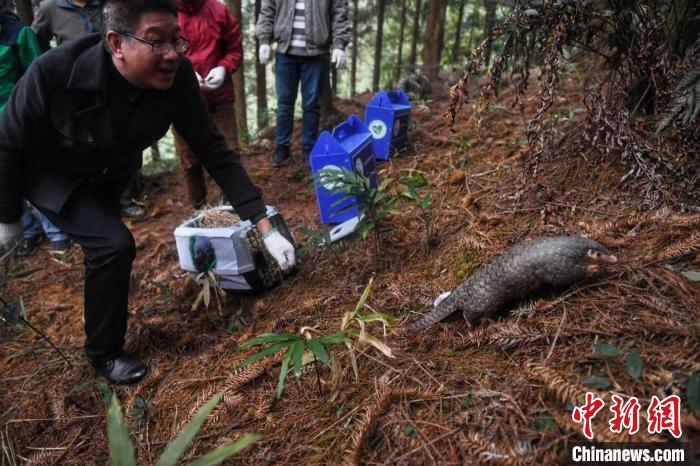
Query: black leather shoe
pixel 280 156
pixel 121 370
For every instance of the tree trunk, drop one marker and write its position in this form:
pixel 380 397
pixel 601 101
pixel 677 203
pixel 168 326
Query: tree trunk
pixel 353 64
pixel 458 33
pixel 414 39
pixel 378 45
pixel 434 29
pixel 260 80
pixel 326 98
pixel 402 25
pixel 24 11
pixel 489 22
pixel 239 82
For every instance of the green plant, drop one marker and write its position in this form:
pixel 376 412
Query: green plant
pixel 411 183
pixel 296 346
pixel 374 203
pixel 353 326
pixel 686 101
pixel 121 450
pixel 360 319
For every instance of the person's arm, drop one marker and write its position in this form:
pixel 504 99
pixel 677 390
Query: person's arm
pixel 42 26
pixel 232 44
pixel 24 120
pixel 28 47
pixel 340 24
pixel 266 21
pixel 195 125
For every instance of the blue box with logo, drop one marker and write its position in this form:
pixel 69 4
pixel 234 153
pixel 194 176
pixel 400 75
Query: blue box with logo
pixel 387 116
pixel 349 146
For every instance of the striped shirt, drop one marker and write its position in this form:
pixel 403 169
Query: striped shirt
pixel 298 44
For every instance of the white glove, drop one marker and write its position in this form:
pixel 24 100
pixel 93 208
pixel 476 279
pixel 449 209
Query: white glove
pixel 281 249
pixel 338 57
pixel 200 81
pixel 215 78
pixel 264 54
pixel 10 233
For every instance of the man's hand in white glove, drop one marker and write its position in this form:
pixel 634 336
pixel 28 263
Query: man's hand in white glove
pixel 215 78
pixel 10 233
pixel 281 249
pixel 264 54
pixel 200 81
pixel 338 57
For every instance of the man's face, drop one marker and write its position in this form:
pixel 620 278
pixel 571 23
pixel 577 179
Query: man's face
pixel 136 60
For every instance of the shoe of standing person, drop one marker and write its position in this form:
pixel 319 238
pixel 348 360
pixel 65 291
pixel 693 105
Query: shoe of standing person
pixel 134 212
pixel 29 246
pixel 280 155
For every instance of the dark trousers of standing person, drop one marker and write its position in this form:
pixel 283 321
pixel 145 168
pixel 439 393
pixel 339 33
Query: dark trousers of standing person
pixel 91 218
pixel 225 120
pixel 290 71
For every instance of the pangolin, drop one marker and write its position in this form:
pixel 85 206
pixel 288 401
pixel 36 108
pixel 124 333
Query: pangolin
pixel 520 271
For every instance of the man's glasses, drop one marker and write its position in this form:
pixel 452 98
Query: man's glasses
pixel 162 48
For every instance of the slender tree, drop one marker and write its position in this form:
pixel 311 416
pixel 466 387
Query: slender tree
pixel 434 30
pixel 414 38
pixel 353 64
pixel 402 25
pixel 458 32
pixel 24 11
pixel 239 81
pixel 260 80
pixel 378 45
pixel 489 22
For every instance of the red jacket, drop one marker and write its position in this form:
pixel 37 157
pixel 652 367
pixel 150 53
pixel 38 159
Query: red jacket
pixel 215 40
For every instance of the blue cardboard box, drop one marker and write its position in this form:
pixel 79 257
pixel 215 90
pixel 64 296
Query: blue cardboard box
pixel 387 116
pixel 349 146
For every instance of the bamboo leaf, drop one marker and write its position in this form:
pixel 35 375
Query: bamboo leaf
pixel 334 339
pixel 268 338
pixel 283 371
pixel 381 346
pixel 223 452
pixel 298 351
pixel 177 447
pixel 692 275
pixel 319 351
pixel 121 450
pixel 266 352
pixel 606 349
pixel 363 298
pixel 634 364
pixel 593 381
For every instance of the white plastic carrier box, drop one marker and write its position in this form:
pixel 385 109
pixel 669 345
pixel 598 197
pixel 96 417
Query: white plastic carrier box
pixel 235 253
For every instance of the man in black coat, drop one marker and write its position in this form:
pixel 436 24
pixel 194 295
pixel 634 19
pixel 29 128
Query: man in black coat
pixel 72 135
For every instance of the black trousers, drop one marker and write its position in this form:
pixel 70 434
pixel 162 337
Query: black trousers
pixel 91 219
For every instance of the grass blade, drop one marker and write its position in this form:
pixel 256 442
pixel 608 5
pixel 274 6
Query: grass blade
pixel 121 450
pixel 266 352
pixel 268 338
pixel 177 447
pixel 222 452
pixel 298 351
pixel 319 351
pixel 283 371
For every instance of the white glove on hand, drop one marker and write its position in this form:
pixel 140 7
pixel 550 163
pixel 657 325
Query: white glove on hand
pixel 281 249
pixel 200 81
pixel 338 57
pixel 264 54
pixel 10 233
pixel 215 78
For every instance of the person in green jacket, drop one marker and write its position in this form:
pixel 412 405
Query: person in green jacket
pixel 19 46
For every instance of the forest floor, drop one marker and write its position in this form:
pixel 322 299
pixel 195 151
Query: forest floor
pixel 501 391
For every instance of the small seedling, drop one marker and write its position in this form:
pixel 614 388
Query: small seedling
pixel 423 204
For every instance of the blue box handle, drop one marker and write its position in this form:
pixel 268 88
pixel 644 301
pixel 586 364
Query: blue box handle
pixel 350 127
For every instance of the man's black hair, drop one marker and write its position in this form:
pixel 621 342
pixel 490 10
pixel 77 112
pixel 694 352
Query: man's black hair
pixel 124 15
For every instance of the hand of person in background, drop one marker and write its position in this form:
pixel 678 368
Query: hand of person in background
pixel 338 57
pixel 264 54
pixel 215 78
pixel 279 248
pixel 10 233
